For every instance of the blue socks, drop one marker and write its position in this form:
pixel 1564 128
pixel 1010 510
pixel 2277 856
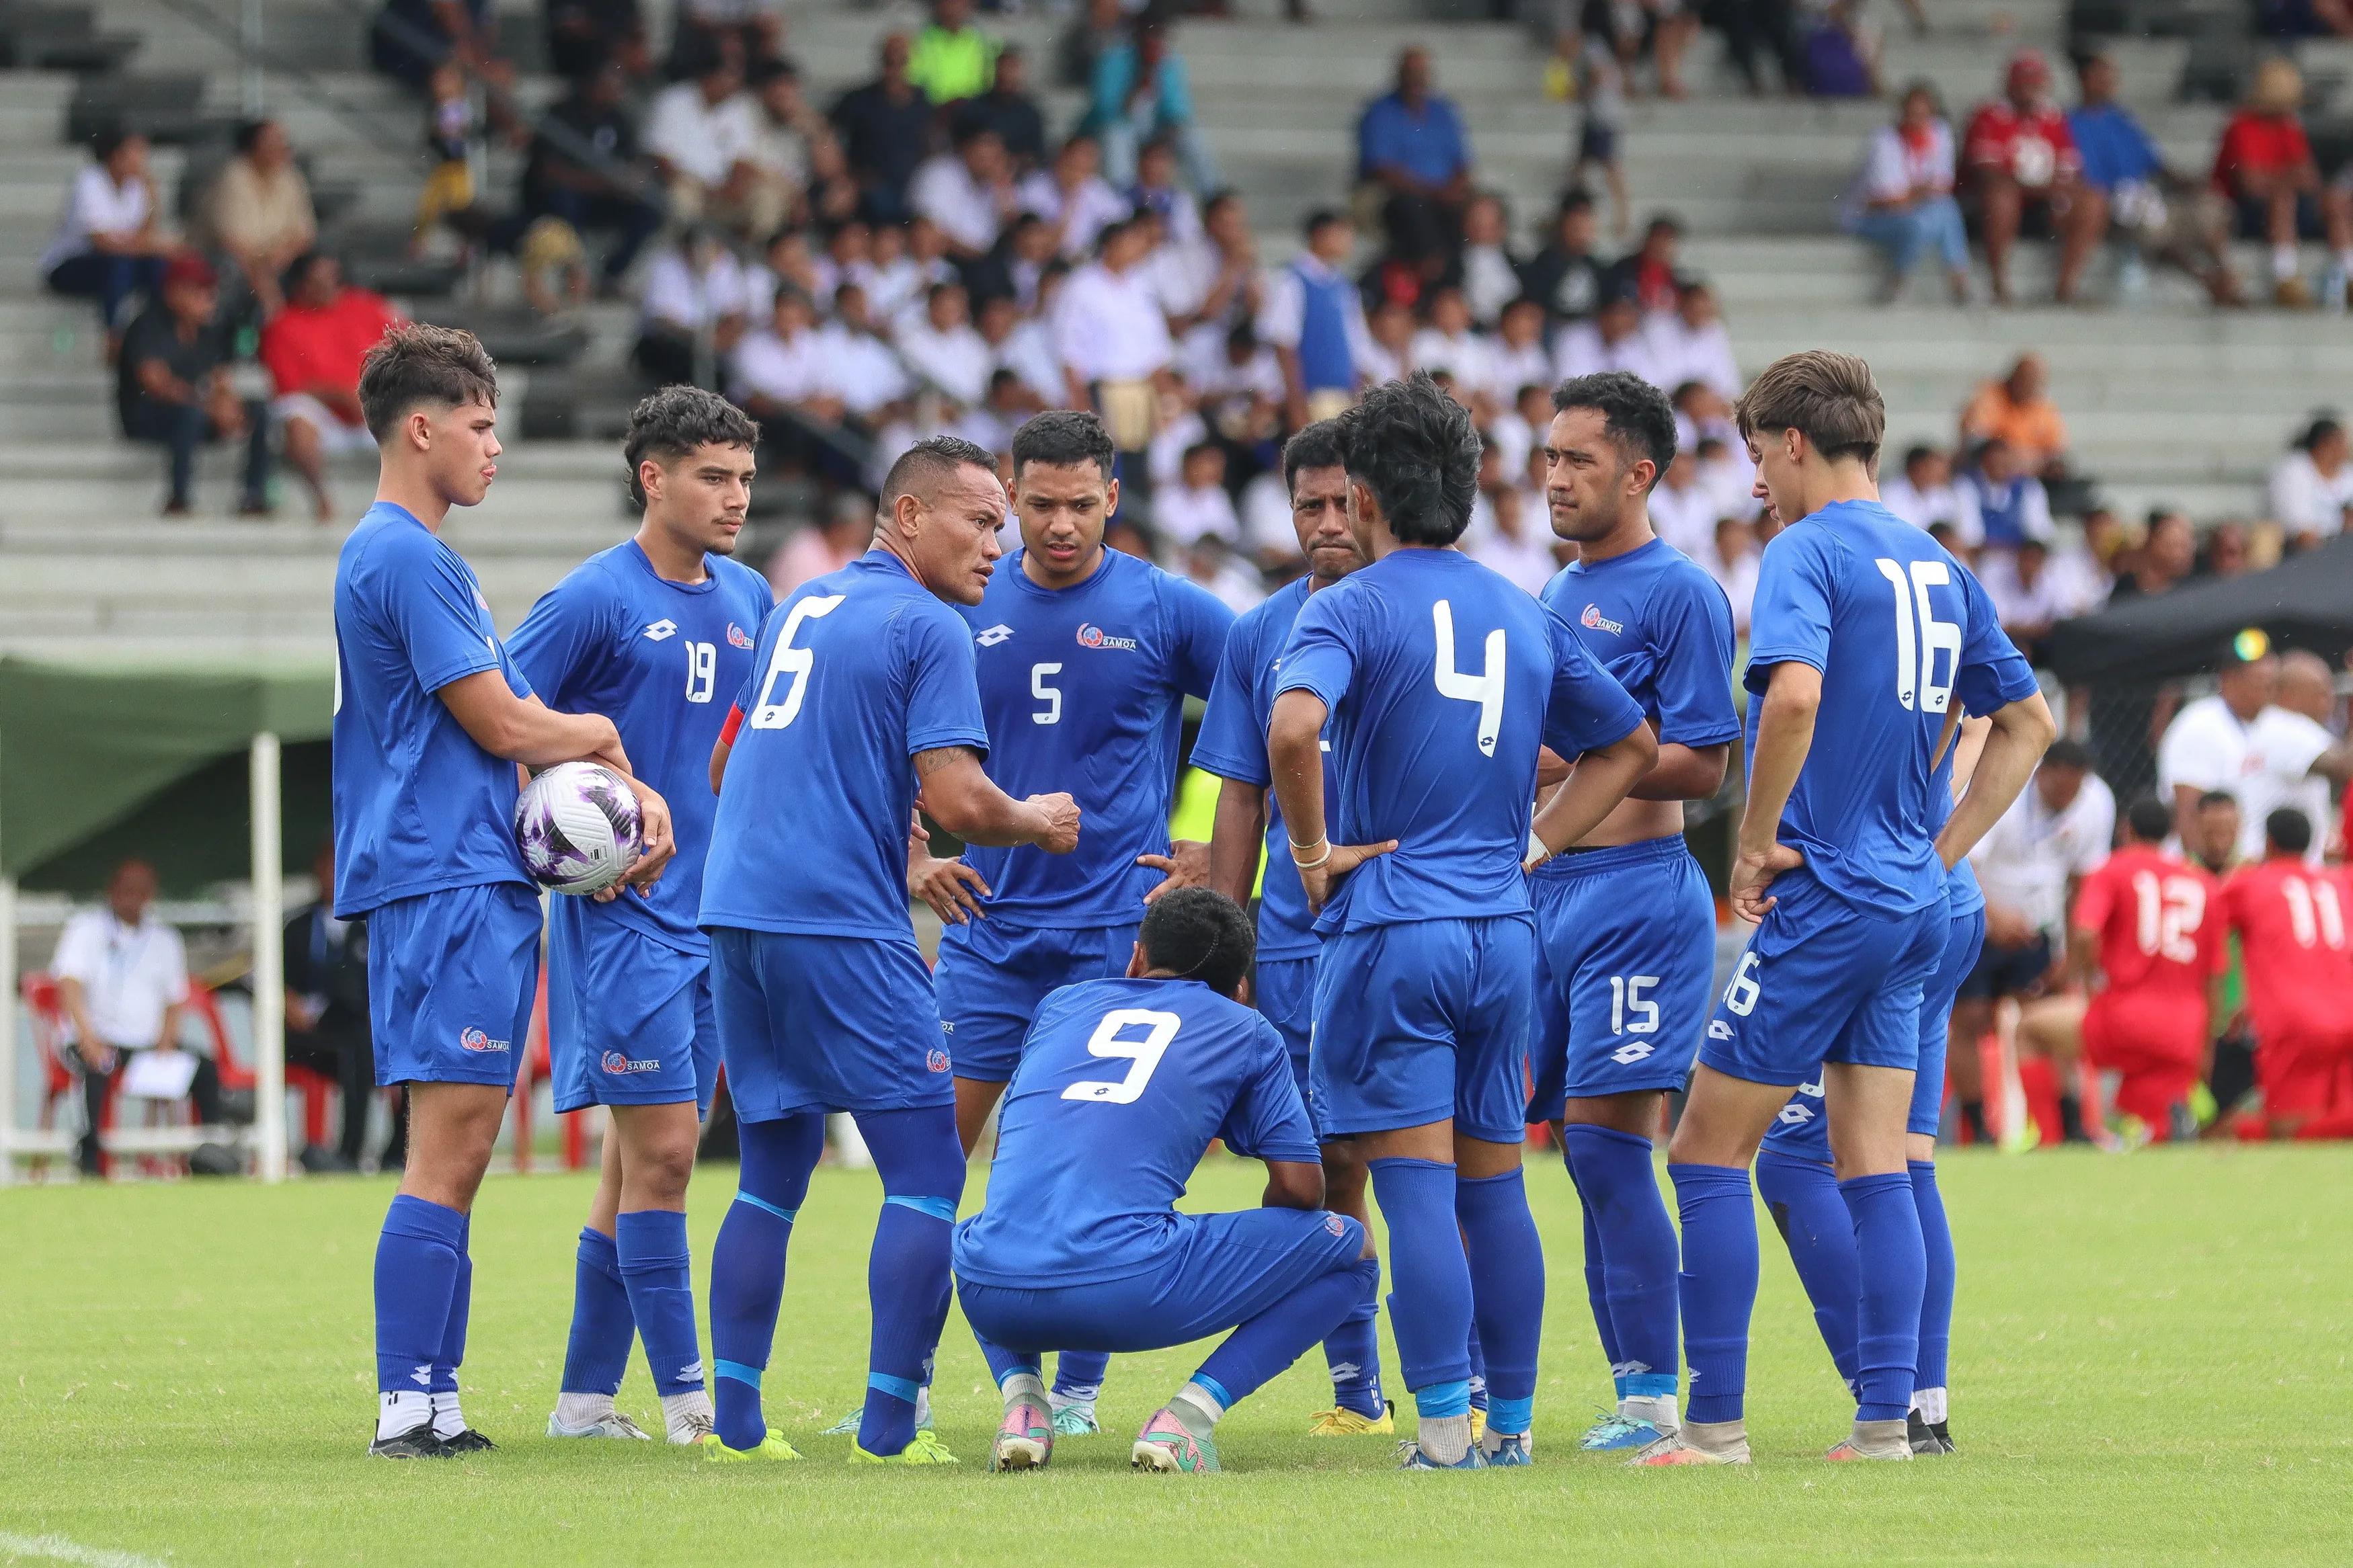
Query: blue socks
pixel 1429 1304
pixel 1079 1376
pixel 1597 1290
pixel 1892 1262
pixel 1507 1292
pixel 1718 1285
pixel 416 1277
pixel 1266 1345
pixel 598 1351
pixel 747 1266
pixel 1352 1352
pixel 922 1164
pixel 1802 1196
pixel 1637 1255
pixel 1936 1303
pixel 654 1267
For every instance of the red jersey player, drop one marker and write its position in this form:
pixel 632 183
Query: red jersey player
pixel 2152 918
pixel 2291 921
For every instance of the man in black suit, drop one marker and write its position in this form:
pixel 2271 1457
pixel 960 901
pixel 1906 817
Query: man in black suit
pixel 327 1020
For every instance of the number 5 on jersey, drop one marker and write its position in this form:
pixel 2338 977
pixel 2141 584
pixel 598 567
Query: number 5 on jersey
pixel 1142 1055
pixel 789 660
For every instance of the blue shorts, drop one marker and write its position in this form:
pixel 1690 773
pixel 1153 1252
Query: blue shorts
pixel 629 1018
pixel 992 975
pixel 1217 1272
pixel 1802 1130
pixel 451 978
pixel 1284 989
pixel 825 1023
pixel 1625 972
pixel 1821 980
pixel 1423 1021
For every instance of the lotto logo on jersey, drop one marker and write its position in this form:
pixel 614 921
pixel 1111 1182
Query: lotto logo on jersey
pixel 1718 1029
pixel 1596 620
pixel 618 1064
pixel 993 636
pixel 1092 636
pixel 1793 1115
pixel 937 1061
pixel 661 630
pixel 737 636
pixel 1633 1051
pixel 475 1040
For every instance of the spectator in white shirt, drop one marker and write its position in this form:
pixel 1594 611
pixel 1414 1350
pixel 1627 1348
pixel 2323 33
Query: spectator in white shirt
pixel 1211 563
pixel 890 278
pixel 1683 509
pixel 1214 277
pixel 859 365
pixel 1518 357
pixel 1323 372
pixel 703 132
pixel 1108 329
pixel 1733 560
pixel 1197 505
pixel 2026 594
pixel 1689 343
pixel 1729 479
pixel 1388 353
pixel 694 298
pixel 968 193
pixel 1491 278
pixel 1074 198
pixel 1612 340
pixel 123 982
pixel 1902 199
pixel 1446 343
pixel 2311 489
pixel 943 348
pixel 1022 347
pixel 2211 744
pixel 785 264
pixel 780 368
pixel 1507 534
pixel 1519 429
pixel 106 246
pixel 2302 756
pixel 1924 495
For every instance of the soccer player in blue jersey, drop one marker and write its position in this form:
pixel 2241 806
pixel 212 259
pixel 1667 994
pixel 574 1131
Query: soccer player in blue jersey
pixel 1232 745
pixel 861 690
pixel 1086 656
pixel 431 717
pixel 1441 682
pixel 657 633
pixel 1800 1186
pixel 1864 634
pixel 1121 1086
pixel 1625 922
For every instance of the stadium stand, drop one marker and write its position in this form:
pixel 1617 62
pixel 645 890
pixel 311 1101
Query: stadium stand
pixel 2165 400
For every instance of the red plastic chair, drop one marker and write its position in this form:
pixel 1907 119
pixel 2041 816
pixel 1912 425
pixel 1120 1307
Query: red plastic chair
pixel 537 1066
pixel 47 1010
pixel 318 1090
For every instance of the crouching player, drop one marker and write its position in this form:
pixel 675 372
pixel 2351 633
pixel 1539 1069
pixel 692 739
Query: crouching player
pixel 1796 1177
pixel 1121 1088
pixel 657 632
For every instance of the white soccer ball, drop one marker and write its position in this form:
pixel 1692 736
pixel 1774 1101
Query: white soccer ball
pixel 577 826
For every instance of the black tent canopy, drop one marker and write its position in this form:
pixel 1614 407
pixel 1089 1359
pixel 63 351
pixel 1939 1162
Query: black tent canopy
pixel 2304 602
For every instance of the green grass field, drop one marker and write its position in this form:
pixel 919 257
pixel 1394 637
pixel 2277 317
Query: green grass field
pixel 2150 1364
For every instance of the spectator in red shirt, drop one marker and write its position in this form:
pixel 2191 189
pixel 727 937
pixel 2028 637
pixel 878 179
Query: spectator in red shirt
pixel 2264 165
pixel 2024 174
pixel 312 349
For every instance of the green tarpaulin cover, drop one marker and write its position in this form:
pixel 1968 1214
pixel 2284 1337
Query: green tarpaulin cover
pixel 101 760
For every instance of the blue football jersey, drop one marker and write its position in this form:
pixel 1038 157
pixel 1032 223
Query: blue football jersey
pixel 1232 745
pixel 1662 628
pixel 1085 689
pixel 1121 1086
pixel 854 674
pixel 1443 681
pixel 662 660
pixel 1899 629
pixel 418 806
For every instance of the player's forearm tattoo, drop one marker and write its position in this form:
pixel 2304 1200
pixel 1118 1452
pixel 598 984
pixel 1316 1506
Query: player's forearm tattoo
pixel 931 761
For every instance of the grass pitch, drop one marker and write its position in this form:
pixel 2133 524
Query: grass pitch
pixel 2150 1364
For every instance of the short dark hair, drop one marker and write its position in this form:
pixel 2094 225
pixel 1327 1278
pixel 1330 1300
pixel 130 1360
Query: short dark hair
pixel 930 460
pixel 1321 219
pixel 2214 797
pixel 247 133
pixel 108 140
pixel 1830 398
pixel 1316 446
pixel 1063 438
pixel 2067 753
pixel 2147 820
pixel 2287 830
pixel 667 425
pixel 414 364
pixel 1917 453
pixel 1635 414
pixel 1199 933
pixel 1416 450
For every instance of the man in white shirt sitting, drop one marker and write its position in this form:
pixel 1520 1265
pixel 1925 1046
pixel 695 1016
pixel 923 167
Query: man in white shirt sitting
pixel 705 134
pixel 968 193
pixel 1689 342
pixel 1683 509
pixel 1073 197
pixel 2311 489
pixel 1111 337
pixel 1612 340
pixel 943 349
pixel 780 369
pixel 861 368
pixel 1924 495
pixel 123 982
